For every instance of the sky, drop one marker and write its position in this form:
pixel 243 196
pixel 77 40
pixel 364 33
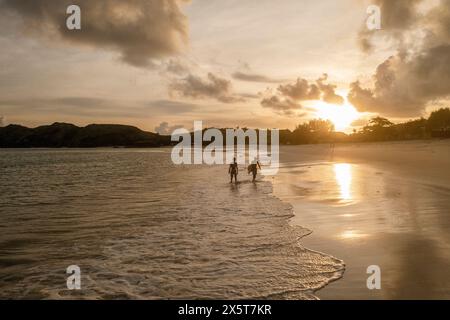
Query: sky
pixel 162 64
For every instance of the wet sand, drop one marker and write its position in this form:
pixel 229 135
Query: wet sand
pixel 384 204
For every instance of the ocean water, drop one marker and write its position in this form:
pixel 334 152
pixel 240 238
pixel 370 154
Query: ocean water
pixel 140 227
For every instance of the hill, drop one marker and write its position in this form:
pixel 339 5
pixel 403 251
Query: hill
pixel 60 135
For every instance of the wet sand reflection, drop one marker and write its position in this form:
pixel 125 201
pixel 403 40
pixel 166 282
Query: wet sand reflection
pixel 367 215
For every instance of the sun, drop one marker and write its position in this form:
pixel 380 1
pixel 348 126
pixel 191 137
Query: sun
pixel 342 116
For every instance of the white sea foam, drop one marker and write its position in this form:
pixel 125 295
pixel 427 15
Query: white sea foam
pixel 141 228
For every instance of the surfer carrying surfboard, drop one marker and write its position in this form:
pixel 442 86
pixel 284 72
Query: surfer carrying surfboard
pixel 233 170
pixel 253 168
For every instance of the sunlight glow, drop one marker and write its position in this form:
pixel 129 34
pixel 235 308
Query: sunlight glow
pixel 341 116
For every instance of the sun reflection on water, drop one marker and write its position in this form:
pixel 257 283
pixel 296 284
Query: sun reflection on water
pixel 343 173
pixel 352 234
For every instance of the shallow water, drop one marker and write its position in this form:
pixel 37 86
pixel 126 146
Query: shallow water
pixel 370 214
pixel 141 228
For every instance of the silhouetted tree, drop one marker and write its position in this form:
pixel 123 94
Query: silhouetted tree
pixel 413 129
pixel 439 120
pixel 378 129
pixel 379 122
pixel 314 131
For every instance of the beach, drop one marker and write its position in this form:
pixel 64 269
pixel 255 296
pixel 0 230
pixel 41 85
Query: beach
pixel 140 227
pixel 382 204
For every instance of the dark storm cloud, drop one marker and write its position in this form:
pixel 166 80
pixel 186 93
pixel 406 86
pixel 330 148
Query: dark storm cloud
pixel 213 87
pixel 140 30
pixel 407 82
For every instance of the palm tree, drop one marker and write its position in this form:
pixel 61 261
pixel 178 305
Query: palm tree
pixel 380 122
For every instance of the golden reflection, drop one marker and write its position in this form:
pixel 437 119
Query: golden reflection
pixel 343 172
pixel 352 234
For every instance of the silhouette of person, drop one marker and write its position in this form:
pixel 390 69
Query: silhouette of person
pixel 254 168
pixel 233 170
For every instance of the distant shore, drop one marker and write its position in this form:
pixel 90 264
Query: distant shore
pixel 65 135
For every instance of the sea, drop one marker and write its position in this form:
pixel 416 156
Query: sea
pixel 139 227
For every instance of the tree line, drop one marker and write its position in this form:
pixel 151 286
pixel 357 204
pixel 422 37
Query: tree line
pixel 437 125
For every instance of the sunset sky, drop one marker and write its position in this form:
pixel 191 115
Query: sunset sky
pixel 160 64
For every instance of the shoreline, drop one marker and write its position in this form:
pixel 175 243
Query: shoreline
pixel 339 274
pixel 374 205
pixel 284 145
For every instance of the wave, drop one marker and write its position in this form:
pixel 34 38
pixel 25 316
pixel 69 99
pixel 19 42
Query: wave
pixel 141 228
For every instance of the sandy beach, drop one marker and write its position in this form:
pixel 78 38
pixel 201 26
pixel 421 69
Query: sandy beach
pixel 383 204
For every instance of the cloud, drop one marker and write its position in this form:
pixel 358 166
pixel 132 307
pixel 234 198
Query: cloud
pixel 300 91
pixel 139 30
pixel 405 83
pixel 213 87
pixel 438 22
pixel 245 73
pixel 252 77
pixel 396 16
pixel 289 96
pixel 250 95
pixel 280 104
pixel 165 129
pixel 328 91
pixel 177 67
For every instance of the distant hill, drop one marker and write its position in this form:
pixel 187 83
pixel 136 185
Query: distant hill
pixel 64 135
pixel 60 135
